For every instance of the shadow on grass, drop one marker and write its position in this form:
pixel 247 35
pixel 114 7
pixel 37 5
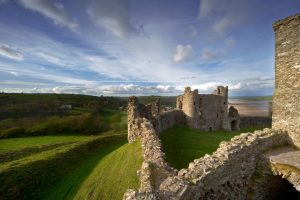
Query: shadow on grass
pixel 69 184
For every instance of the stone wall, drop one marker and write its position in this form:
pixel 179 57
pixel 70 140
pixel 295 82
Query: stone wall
pixel 226 174
pixel 264 122
pixel 169 119
pixel 286 101
pixel 154 168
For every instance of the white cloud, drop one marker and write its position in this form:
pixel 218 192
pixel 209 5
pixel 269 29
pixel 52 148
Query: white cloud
pixel 237 86
pixel 183 53
pixel 112 15
pixel 14 73
pixel 50 58
pixel 10 52
pixel 52 10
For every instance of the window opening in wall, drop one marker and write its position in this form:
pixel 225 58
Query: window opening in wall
pixel 217 115
pixel 194 103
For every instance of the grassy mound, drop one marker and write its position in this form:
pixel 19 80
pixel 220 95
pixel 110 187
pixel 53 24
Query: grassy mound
pixel 115 173
pixel 182 144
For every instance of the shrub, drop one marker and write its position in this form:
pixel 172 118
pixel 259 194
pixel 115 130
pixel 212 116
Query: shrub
pixel 12 132
pixel 79 124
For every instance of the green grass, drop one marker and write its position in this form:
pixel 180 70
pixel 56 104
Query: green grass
pixel 182 144
pixel 115 173
pixel 57 173
pixel 16 144
pixel 67 187
pixel 42 155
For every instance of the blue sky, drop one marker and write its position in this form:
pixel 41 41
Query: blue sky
pixel 139 47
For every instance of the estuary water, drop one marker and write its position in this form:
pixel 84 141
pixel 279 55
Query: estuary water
pixel 250 108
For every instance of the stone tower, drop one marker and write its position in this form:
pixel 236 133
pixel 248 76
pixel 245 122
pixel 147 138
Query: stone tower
pixel 286 101
pixel 189 104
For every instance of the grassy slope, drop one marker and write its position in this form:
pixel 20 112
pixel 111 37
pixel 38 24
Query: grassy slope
pixel 16 144
pixel 182 144
pixel 67 187
pixel 115 173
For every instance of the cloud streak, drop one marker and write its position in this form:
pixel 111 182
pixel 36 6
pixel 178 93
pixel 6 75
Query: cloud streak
pixel 10 52
pixel 52 10
pixel 113 16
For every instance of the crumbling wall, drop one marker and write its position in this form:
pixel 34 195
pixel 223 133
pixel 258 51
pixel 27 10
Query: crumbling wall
pixel 286 101
pixel 169 119
pixel 154 168
pixel 226 174
pixel 213 112
pixel 135 113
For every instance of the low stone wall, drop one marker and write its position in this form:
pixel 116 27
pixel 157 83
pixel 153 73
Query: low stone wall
pixel 265 122
pixel 226 174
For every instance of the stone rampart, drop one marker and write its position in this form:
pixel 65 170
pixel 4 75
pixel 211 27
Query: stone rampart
pixel 226 174
pixel 264 122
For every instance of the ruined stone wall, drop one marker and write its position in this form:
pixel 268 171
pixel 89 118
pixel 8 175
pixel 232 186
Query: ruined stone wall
pixel 286 101
pixel 154 168
pixel 169 119
pixel 226 174
pixel 135 113
pixel 213 112
pixel 264 122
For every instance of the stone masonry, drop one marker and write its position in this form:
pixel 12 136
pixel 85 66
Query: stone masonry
pixel 286 104
pixel 208 112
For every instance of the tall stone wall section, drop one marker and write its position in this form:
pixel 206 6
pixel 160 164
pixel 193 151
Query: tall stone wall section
pixel 264 122
pixel 286 101
pixel 169 119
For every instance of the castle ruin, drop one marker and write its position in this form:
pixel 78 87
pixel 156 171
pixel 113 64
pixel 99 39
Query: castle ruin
pixel 261 165
pixel 207 112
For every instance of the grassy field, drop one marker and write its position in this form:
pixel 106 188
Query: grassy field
pixel 101 171
pixel 115 173
pixel 183 144
pixel 19 144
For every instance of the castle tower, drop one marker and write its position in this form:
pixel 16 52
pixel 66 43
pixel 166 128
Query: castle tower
pixel 221 90
pixel 190 107
pixel 286 101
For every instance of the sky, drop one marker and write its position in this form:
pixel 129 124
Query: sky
pixel 139 47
